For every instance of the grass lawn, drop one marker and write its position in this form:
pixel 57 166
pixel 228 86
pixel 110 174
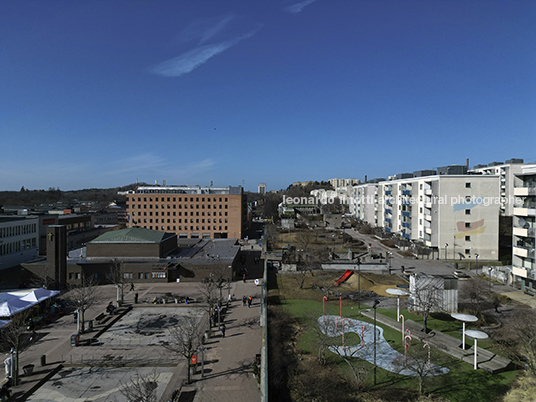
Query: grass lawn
pixel 461 384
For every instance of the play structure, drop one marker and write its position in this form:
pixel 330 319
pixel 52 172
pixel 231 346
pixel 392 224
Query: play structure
pixel 344 277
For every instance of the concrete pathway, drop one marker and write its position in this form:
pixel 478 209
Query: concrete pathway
pixel 228 376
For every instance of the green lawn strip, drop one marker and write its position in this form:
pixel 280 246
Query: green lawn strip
pixel 461 384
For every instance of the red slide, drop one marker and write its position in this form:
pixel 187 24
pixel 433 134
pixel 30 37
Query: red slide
pixel 344 277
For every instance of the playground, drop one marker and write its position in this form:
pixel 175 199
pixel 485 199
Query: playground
pixel 447 376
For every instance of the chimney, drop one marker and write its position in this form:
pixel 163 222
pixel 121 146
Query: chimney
pixel 164 183
pixel 467 163
pixel 365 178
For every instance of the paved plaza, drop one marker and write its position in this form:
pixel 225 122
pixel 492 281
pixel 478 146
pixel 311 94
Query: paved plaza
pixel 132 347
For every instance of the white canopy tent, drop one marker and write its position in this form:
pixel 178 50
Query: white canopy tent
pixel 38 295
pixel 11 305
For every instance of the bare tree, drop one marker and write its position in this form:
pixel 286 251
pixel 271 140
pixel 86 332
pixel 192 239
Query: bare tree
pixel 141 388
pixel 15 338
pixel 208 289
pixel 117 277
pixel 418 360
pixel 328 336
pixel 184 339
pixel 476 291
pixel 518 339
pixel 426 296
pixel 83 296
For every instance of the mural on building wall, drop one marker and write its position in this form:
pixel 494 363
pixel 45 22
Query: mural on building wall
pixel 474 228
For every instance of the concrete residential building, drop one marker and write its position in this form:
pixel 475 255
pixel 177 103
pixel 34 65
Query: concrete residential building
pixel 18 240
pixel 190 212
pixel 262 188
pixel 524 230
pixel 455 216
pixel 506 171
pixel 335 183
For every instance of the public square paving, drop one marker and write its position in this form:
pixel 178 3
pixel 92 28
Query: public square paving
pixel 97 384
pixel 131 347
pixel 386 357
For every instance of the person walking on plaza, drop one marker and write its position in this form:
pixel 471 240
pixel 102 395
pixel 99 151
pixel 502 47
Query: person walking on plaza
pixel 131 286
pixel 244 300
pixel 223 330
pixel 249 301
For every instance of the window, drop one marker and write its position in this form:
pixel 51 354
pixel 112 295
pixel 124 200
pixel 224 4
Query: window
pixel 467 185
pixel 467 224
pixel 140 275
pixel 467 251
pixel 467 212
pixel 467 238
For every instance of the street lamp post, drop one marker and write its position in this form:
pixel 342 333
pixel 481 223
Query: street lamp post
pixel 489 279
pixel 376 302
pixel 359 283
pixel 446 247
pixel 476 263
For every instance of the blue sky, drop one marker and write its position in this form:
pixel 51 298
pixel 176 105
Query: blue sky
pixel 101 93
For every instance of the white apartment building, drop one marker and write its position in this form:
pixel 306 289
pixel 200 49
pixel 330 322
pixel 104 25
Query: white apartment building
pixel 524 230
pixel 18 240
pixel 506 171
pixel 456 216
pixel 335 183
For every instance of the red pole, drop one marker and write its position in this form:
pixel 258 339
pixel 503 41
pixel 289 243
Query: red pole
pixel 324 307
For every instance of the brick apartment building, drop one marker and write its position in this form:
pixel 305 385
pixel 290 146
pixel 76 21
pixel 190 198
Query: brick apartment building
pixel 192 212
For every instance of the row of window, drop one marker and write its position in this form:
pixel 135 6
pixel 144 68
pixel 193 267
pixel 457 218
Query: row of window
pixel 145 275
pixel 17 246
pixel 174 206
pixel 174 228
pixel 163 199
pixel 175 214
pixel 18 230
pixel 185 221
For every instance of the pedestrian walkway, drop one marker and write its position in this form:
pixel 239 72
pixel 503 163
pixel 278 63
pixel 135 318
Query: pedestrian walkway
pixel 486 360
pixel 228 375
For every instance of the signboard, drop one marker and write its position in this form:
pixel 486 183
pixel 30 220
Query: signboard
pixel 194 359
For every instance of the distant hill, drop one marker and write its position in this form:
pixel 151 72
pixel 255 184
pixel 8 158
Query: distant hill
pixel 33 198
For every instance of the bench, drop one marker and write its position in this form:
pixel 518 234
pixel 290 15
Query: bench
pixel 100 318
pixel 529 291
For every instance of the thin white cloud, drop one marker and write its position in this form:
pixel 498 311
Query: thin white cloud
pixel 192 59
pixel 205 28
pixel 298 7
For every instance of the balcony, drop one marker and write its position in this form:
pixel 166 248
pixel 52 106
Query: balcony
pixel 522 232
pixel 428 230
pixel 388 192
pixel 428 191
pixel 518 271
pixel 524 191
pixel 406 214
pixel 428 217
pixel 404 202
pixel 388 230
pixel 406 225
pixel 388 220
pixel 405 236
pixel 406 192
pixel 388 211
pixel 524 251
pixel 525 211
pixel 428 205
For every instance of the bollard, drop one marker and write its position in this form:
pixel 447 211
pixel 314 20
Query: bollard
pixel 43 360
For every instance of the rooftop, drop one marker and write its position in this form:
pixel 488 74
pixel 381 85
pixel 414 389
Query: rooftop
pixel 132 235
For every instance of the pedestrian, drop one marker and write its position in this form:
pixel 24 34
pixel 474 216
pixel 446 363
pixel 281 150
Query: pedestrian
pixel 136 298
pixel 230 297
pixel 249 301
pixel 132 286
pixel 244 278
pixel 223 330
pixel 244 300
